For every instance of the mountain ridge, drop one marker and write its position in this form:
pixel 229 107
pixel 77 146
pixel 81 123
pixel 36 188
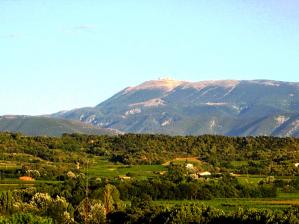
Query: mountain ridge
pixel 175 107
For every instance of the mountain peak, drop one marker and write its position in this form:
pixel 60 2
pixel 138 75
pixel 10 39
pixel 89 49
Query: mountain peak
pixel 165 83
pixel 168 84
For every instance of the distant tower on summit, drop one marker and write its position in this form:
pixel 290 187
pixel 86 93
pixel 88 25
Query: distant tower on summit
pixel 163 78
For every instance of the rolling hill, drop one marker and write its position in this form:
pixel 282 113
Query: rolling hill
pixel 44 126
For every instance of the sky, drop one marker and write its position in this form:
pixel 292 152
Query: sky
pixel 63 54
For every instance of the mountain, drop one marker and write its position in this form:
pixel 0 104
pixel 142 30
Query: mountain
pixel 40 126
pixel 225 107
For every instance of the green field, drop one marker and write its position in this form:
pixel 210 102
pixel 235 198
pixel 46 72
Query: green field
pixel 101 167
pixel 283 200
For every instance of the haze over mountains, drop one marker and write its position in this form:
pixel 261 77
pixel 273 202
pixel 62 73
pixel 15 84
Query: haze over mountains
pixel 225 107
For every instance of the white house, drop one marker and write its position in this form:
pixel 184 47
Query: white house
pixel 204 174
pixel 189 166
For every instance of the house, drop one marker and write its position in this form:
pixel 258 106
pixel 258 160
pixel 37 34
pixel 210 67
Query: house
pixel 296 164
pixel 121 177
pixel 204 174
pixel 194 176
pixel 234 174
pixel 26 178
pixel 190 166
pixel 78 166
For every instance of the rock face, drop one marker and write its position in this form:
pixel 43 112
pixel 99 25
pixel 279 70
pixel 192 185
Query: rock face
pixel 226 107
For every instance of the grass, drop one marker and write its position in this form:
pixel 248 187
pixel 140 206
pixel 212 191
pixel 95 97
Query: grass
pixel 250 179
pixel 287 196
pixel 180 160
pixel 228 204
pixel 255 179
pixel 101 167
pixel 238 163
pixel 14 184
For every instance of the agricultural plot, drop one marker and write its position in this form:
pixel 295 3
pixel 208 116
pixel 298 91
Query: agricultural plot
pixel 233 204
pixel 282 201
pixel 101 167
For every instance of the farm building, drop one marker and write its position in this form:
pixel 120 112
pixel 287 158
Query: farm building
pixel 124 177
pixel 26 178
pixel 204 174
pixel 190 166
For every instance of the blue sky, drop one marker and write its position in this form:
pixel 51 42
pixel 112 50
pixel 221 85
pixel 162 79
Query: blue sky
pixel 64 54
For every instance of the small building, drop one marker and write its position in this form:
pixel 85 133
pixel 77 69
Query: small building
pixel 296 164
pixel 190 166
pixel 234 174
pixel 204 174
pixel 194 176
pixel 26 178
pixel 162 172
pixel 70 174
pixel 124 177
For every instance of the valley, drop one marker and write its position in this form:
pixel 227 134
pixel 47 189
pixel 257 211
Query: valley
pixel 243 174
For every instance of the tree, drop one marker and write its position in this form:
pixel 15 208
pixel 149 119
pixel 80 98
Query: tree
pixel 176 173
pixel 91 212
pixel 25 218
pixel 6 202
pixel 58 210
pixel 111 198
